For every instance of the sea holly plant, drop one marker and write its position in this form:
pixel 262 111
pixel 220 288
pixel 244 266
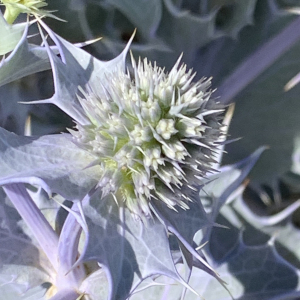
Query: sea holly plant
pixel 131 156
pixel 117 205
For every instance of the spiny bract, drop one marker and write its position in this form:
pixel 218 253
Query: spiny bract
pixel 154 134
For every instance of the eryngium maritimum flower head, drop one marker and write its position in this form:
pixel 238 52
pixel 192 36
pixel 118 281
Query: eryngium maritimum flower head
pixel 154 135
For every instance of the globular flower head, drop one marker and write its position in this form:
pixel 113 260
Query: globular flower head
pixel 153 133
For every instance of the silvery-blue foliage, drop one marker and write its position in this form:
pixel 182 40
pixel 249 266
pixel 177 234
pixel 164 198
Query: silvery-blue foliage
pixel 223 39
pixel 61 239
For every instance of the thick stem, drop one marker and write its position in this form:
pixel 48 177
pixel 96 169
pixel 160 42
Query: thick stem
pixel 68 254
pixel 35 220
pixel 258 62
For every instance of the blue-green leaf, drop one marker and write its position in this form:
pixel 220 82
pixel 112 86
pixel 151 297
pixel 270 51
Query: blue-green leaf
pixel 26 59
pixel 77 69
pixel 145 15
pixel 96 285
pixel 128 249
pixel 10 35
pixel 251 272
pixel 53 162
